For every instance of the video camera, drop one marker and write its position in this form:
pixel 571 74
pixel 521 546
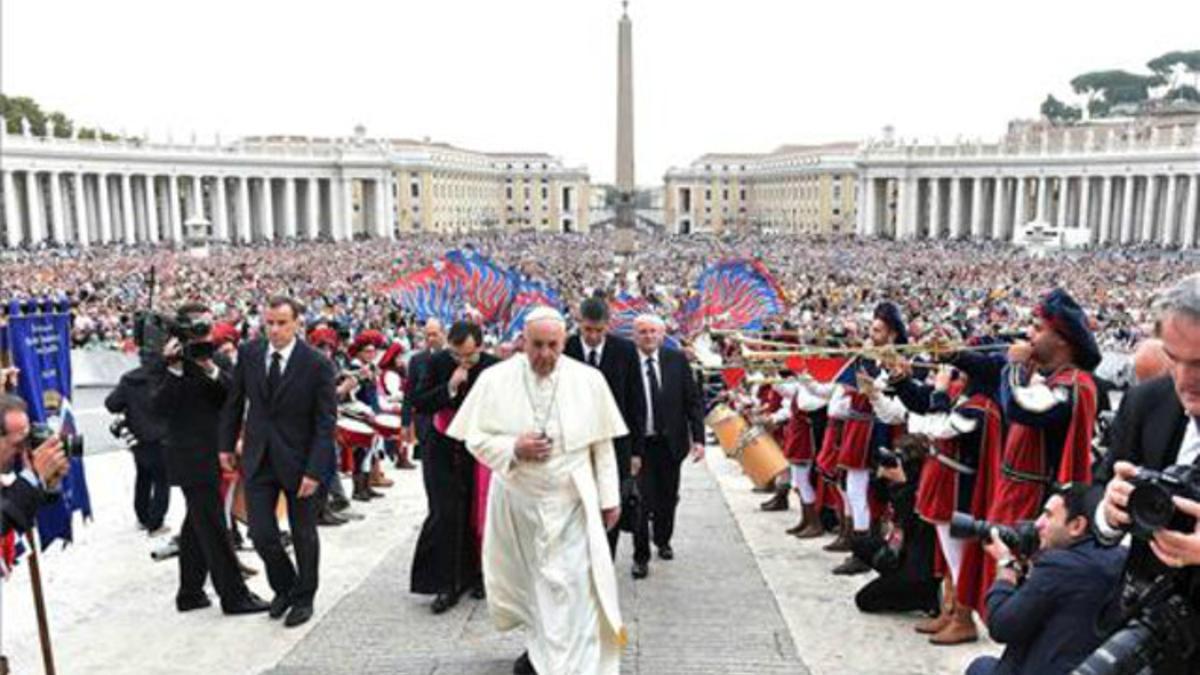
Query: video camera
pixel 1022 538
pixel 1156 618
pixel 908 448
pixel 152 330
pixel 40 433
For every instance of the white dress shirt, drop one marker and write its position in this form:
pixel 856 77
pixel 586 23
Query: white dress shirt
pixel 587 352
pixel 643 359
pixel 284 354
pixel 1189 450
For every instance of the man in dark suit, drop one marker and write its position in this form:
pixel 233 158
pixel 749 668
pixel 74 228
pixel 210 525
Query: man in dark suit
pixel 189 393
pixel 617 359
pixel 674 427
pixel 44 466
pixel 1156 427
pixel 445 562
pixel 1047 623
pixel 287 448
pixel 131 398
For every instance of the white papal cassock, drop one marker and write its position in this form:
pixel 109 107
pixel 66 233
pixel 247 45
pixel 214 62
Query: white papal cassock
pixel 545 556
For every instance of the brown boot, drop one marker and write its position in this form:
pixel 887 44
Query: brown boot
pixel 960 630
pixel 377 478
pixel 779 502
pixel 812 523
pixel 361 493
pixel 402 461
pixel 934 625
pixel 842 543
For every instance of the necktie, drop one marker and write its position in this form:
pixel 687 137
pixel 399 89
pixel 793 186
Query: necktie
pixel 655 396
pixel 592 360
pixel 275 373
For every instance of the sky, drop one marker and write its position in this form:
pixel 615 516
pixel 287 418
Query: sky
pixel 540 75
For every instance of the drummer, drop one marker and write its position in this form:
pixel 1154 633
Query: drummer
pixel 367 471
pixel 391 390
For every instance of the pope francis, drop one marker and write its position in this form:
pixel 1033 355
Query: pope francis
pixel 544 425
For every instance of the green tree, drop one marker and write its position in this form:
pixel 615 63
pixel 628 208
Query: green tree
pixel 1173 65
pixel 1106 88
pixel 1058 112
pixel 1184 92
pixel 18 108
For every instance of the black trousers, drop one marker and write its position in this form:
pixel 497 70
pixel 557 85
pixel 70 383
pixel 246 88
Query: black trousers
pixel 297 581
pixel 445 560
pixel 151 491
pixel 658 482
pixel 205 549
pixel 895 592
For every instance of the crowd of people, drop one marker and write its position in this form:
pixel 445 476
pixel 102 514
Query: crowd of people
pixel 537 451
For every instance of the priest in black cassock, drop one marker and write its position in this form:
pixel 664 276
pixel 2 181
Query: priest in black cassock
pixel 446 562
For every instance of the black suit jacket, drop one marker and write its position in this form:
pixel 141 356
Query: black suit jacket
pixel 619 364
pixel 433 392
pixel 19 504
pixel 295 425
pixel 682 411
pixel 192 405
pixel 1147 431
pixel 418 368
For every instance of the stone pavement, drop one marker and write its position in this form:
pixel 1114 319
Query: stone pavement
pixel 708 611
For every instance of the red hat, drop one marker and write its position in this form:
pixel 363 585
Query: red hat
pixel 323 337
pixel 392 354
pixel 225 333
pixel 372 338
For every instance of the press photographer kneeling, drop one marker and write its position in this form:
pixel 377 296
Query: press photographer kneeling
pixel 1152 490
pixel 1044 602
pixel 192 383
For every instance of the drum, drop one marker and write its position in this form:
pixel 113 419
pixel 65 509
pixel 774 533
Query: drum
pixel 354 433
pixel 760 456
pixel 388 426
pixel 728 426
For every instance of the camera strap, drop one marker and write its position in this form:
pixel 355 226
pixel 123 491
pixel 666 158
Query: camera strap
pixel 1024 477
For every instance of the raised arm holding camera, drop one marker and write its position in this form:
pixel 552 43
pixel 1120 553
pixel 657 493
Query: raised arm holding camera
pixel 1151 491
pixel 189 393
pixel 43 465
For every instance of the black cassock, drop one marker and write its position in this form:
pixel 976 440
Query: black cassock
pixel 446 560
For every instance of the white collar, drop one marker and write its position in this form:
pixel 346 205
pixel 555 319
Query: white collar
pixel 285 353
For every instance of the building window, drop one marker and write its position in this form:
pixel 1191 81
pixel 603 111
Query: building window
pixel 415 190
pixel 508 192
pixel 708 195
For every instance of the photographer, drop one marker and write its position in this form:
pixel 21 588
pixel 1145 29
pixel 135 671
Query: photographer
pixel 1156 427
pixel 43 467
pixel 131 398
pixel 189 393
pixel 1046 616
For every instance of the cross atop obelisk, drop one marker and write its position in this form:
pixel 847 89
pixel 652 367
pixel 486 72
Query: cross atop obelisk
pixel 625 177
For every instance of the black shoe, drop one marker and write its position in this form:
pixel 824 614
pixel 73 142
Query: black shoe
pixel 329 519
pixel 851 566
pixel 251 604
pixel 339 503
pixel 443 602
pixel 186 603
pixel 640 570
pixel 279 606
pixel 666 552
pixel 479 592
pixel 777 503
pixel 300 614
pixel 523 666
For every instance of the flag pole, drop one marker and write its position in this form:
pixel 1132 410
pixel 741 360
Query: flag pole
pixel 39 602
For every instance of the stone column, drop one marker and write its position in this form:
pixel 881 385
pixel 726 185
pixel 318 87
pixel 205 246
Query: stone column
pixel 1189 218
pixel 33 196
pixel 267 207
pixel 346 206
pixel 906 218
pixel 955 225
pixel 129 225
pixel 997 208
pixel 197 198
pixel 1042 198
pixel 12 211
pixel 1104 227
pixel 81 220
pixel 1020 207
pixel 176 211
pixel 389 205
pixel 1085 214
pixel 57 224
pixel 1148 209
pixel 245 232
pixel 106 234
pixel 861 203
pixel 152 209
pixel 977 208
pixel 1168 234
pixel 1129 192
pixel 289 207
pixel 221 211
pixel 935 208
pixel 1064 189
pixel 312 214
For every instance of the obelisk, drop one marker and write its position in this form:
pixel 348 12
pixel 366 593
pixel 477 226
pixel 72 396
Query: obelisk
pixel 625 177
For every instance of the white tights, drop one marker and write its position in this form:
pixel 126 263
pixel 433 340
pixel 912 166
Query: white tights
pixel 952 549
pixel 857 481
pixel 800 483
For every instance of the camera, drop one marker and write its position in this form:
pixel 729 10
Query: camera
pixel 876 552
pixel 152 330
pixel 41 433
pixel 909 448
pixel 1151 506
pixel 1022 538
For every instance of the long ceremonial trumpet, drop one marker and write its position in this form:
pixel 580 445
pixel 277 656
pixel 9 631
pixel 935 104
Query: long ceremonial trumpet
pixel 885 353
